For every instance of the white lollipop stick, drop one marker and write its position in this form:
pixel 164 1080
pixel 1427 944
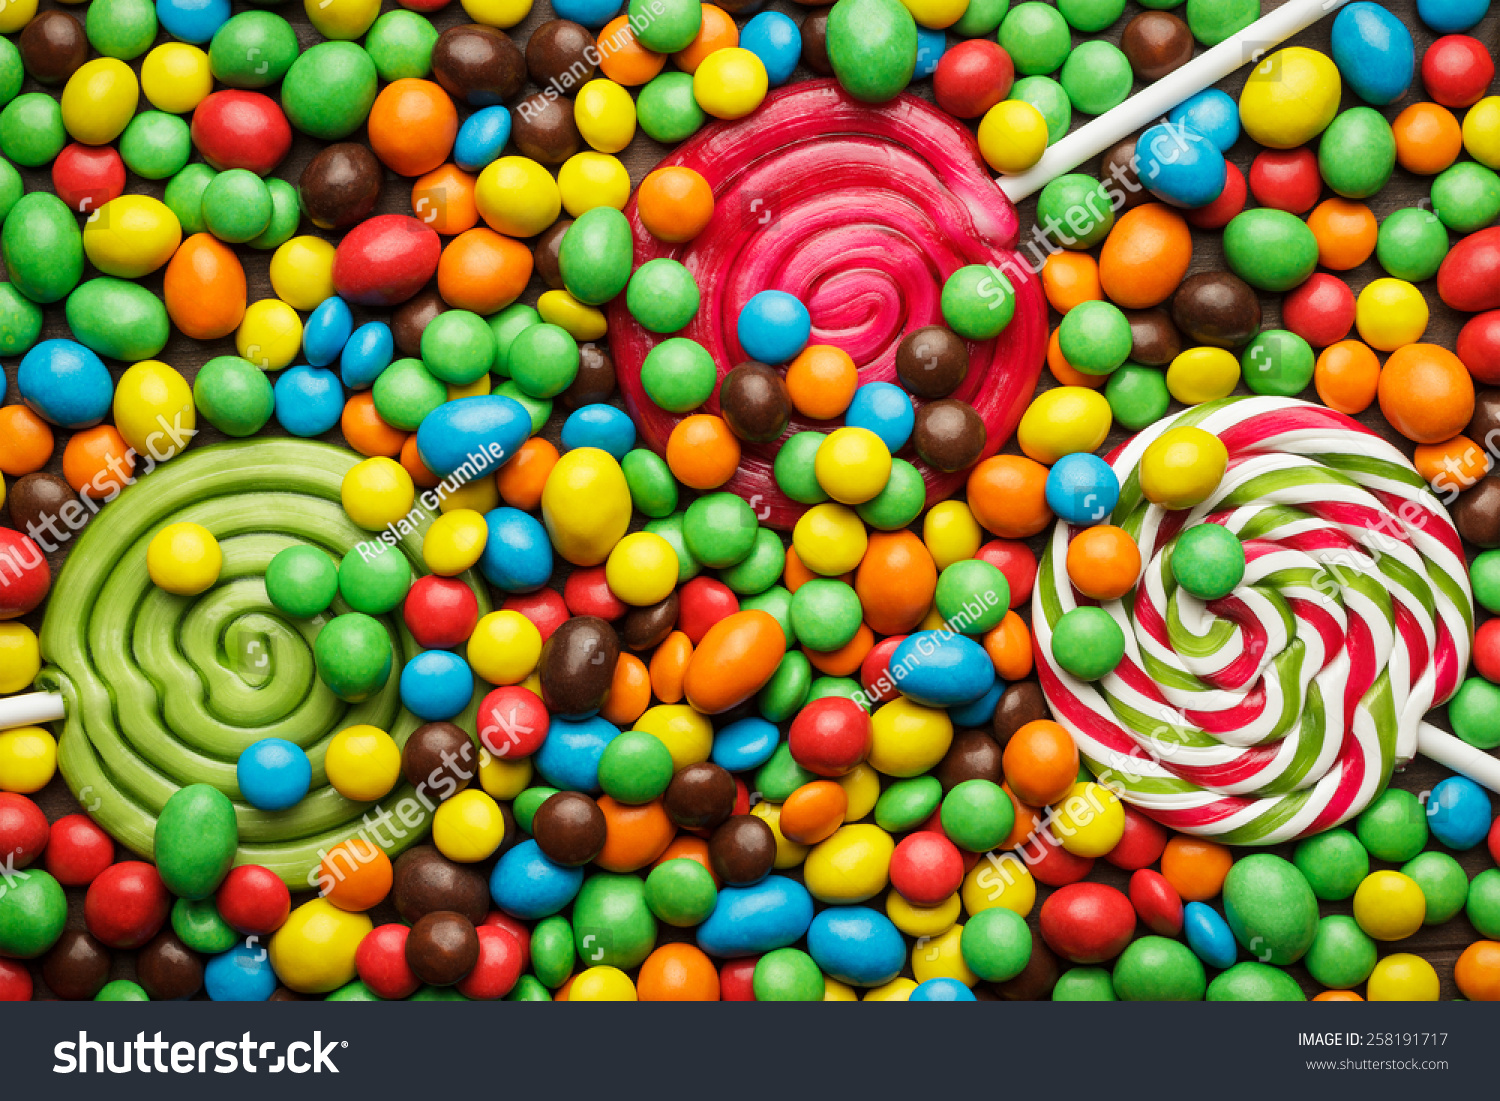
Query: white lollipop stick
pixel 1156 99
pixel 1459 755
pixel 30 709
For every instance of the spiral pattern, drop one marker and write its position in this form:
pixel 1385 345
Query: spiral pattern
pixel 163 691
pixel 861 212
pixel 1282 709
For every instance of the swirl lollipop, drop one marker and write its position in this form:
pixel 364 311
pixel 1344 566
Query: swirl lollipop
pixel 1280 709
pixel 862 213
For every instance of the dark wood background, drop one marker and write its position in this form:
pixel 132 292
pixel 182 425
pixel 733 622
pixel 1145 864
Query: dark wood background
pixel 1440 945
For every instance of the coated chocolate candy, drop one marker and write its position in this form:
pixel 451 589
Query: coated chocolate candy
pixel 1117 174
pixel 545 253
pixel 1216 308
pixel 700 796
pixel 168 970
pixel 815 43
pixel 974 755
pixel 477 64
pixel 543 129
pixel 77 966
pixel 1155 43
pixel 949 434
pixel 569 829
pixel 442 948
pixel 595 381
pixel 1022 703
pixel 52 47
pixel 340 186
pixel 931 362
pixel 754 402
pixel 37 501
pixel 1154 339
pixel 411 318
pixel 424 881
pixel 1476 513
pixel 742 850
pixel 643 628
pixel 440 759
pixel 578 665
pixel 561 54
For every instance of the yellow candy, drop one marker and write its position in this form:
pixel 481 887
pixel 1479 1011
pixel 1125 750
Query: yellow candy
pixel 313 951
pixel 1403 977
pixel 861 786
pixel 936 14
pixel 270 335
pixel 377 492
pixel 1389 314
pixel 1290 98
pixel 504 778
pixel 835 991
pixel 28 758
pixel 589 179
pixel 16 15
pixel 788 853
pixel 1182 466
pixel 363 763
pixel 1482 131
pixel 176 77
pixel 687 734
pixel 497 13
pixel 951 533
pixel 922 921
pixel 1012 136
pixel 184 558
pixel 908 739
pixel 1063 420
pixel 897 990
pixel 586 505
pixel 481 495
pixel 1389 905
pixel 154 410
pixel 131 236
pixel 605 115
pixel 602 984
pixel 454 542
pixel 830 539
pixel 517 197
pixel 933 621
pixel 852 465
pixel 468 827
pixel 476 389
pixel 851 866
pixel 302 272
pixel 99 100
pixel 999 879
pixel 505 647
pixel 939 958
pixel 1089 820
pixel 1203 374
pixel 730 83
pixel 341 19
pixel 641 569
pixel 582 323
pixel 20 657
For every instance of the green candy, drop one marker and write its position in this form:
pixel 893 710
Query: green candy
pixel 12 71
pixel 679 374
pixel 612 925
pixel 1444 883
pixel 286 215
pixel 719 529
pixel 670 529
pixel 42 247
pixel 662 295
pixel 1094 337
pixel 400 43
pixel 1465 197
pixel 122 990
pixel 1270 249
pixel 653 490
pixel 972 596
pixel 506 326
pixel 543 360
pixel 1393 827
pixel 908 803
pixel 1083 984
pixel 1483 905
pixel 980 19
pixel 233 395
pixel 1270 908
pixel 353 654
pixel 595 255
pixel 843 688
pixel 786 691
pixel 12 187
pixel 539 409
pixel 118 319
pixel 33 911
pixel 1155 969
pixel 255 49
pixel 1342 955
pixel 528 989
pixel 1484 574
pixel 1091 16
pixel 758 570
pixel 459 347
pixel 20 321
pixel 872 46
pixel 1087 642
pixel 635 767
pixel 666 26
pixel 793 468
pixel 1037 38
pixel 200 926
pixel 302 581
pixel 1208 561
pixel 156 145
pixel 528 803
pixel 776 602
pixel 781 775
pixel 184 196
pixel 1075 211
pixel 977 815
pixel 1097 77
pixel 1212 21
pixel 1474 712
pixel 978 303
pixel 1334 863
pixel 437 994
pixel 195 841
pixel 826 613
pixel 899 503
pixel 552 953
pixel 1411 244
pixel 1357 153
pixel 1249 981
pixel 1277 363
pixel 667 110
pixel 236 206
pixel 355 991
pixel 681 892
pixel 329 89
pixel 374 580
pixel 1050 98
pixel 121 28
pixel 31 129
pixel 787 975
pixel 1137 395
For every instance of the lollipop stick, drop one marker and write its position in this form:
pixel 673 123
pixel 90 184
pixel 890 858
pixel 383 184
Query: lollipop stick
pixel 30 709
pixel 1155 100
pixel 1459 755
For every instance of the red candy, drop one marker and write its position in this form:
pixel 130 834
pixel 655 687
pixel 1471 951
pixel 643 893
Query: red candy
pixel 1053 865
pixel 126 904
pixel 1141 844
pixel 737 980
pixel 1016 562
pixel 23 831
pixel 830 736
pixel 1457 70
pixel 513 722
pixel 498 968
pixel 380 961
pixel 704 602
pixel 1286 179
pixel 1492 842
pixel 1217 214
pixel 26 577
pixel 1487 650
pixel 875 671
pixel 926 868
pixel 545 608
pixel 253 900
pixel 519 931
pixel 1087 922
pixel 440 612
pixel 973 77
pixel 385 260
pixel 1469 278
pixel 15 981
pixel 1320 311
pixel 88 176
pixel 587 592
pixel 1479 348
pixel 1157 903
pixel 236 129
pixel 78 851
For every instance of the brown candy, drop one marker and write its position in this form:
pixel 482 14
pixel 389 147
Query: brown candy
pixel 595 381
pixel 1020 703
pixel 1216 308
pixel 340 186
pixel 411 318
pixel 1035 982
pixel 52 47
pixel 578 664
pixel 562 55
pixel 1483 429
pixel 972 755
pixel 949 434
pixel 754 402
pixel 1476 513
pixel 742 850
pixel 423 880
pixel 547 251
pixel 543 129
pixel 168 970
pixel 1117 174
pixel 931 362
pixel 815 43
pixel 77 966
pixel 477 64
pixel 37 504
pixel 282 994
pixel 1154 339
pixel 569 829
pixel 700 796
pixel 643 628
pixel 442 948
pixel 439 759
pixel 1155 43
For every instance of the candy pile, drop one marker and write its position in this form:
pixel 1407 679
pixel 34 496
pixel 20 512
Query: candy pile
pixel 666 631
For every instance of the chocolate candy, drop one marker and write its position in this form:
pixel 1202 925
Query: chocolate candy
pixel 1476 513
pixel 931 362
pixel 442 948
pixel 340 186
pixel 168 970
pixel 547 250
pixel 742 850
pixel 700 796
pixel 425 881
pixel 815 43
pixel 973 755
pixel 562 55
pixel 411 318
pixel 543 129
pixel 1036 980
pixel 77 966
pixel 1021 703
pixel 578 665
pixel 440 759
pixel 1217 308
pixel 1155 43
pixel 643 628
pixel 1154 339
pixel 595 381
pixel 1117 174
pixel 52 47
pixel 477 64
pixel 949 435
pixel 754 402
pixel 569 829
pixel 282 994
pixel 1486 420
pixel 37 501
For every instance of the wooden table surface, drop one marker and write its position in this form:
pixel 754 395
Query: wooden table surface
pixel 1440 945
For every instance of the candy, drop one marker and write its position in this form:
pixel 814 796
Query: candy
pixel 1374 52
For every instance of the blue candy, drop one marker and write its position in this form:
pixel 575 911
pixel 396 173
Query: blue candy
pixel 1451 16
pixel 747 921
pixel 368 352
pixel 602 426
pixel 327 331
pixel 1209 935
pixel 886 410
pixel 569 757
pixel 941 668
pixel 481 138
pixel 1374 52
pixel 242 974
pixel 192 21
pixel 1082 488
pixel 309 400
pixel 525 884
pixel 1212 113
pixel 1458 813
pixel 942 990
pixel 931 46
pixel 65 383
pixel 472 435
pixel 981 711
pixel 744 745
pixel 591 13
pixel 857 945
pixel 776 40
pixel 273 774
pixel 1180 166
pixel 517 554
pixel 773 327
pixel 436 685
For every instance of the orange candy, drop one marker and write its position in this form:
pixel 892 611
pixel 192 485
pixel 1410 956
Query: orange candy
pixel 1008 496
pixel 1008 644
pixel 813 812
pixel 895 581
pixel 1040 762
pixel 794 575
pixel 669 665
pixel 847 659
pixel 1065 373
pixel 1337 996
pixel 1028 822
pixel 687 847
pixel 97 462
pixel 821 381
pixel 1452 466
pixel 702 452
pixel 677 973
pixel 734 660
pixel 366 432
pixel 414 465
pixel 524 475
pixel 1428 138
pixel 204 288
pixel 25 441
pixel 637 835
pixel 355 875
pixel 718 32
pixel 1345 232
pixel 444 200
pixel 1069 278
pixel 412 125
pixel 1103 562
pixel 1347 376
pixel 1477 972
pixel 1426 393
pixel 674 204
pixel 483 271
pixel 622 58
pixel 1195 868
pixel 1145 256
pixel 629 692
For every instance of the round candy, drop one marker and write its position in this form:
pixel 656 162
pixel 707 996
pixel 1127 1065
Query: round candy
pixel 273 774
